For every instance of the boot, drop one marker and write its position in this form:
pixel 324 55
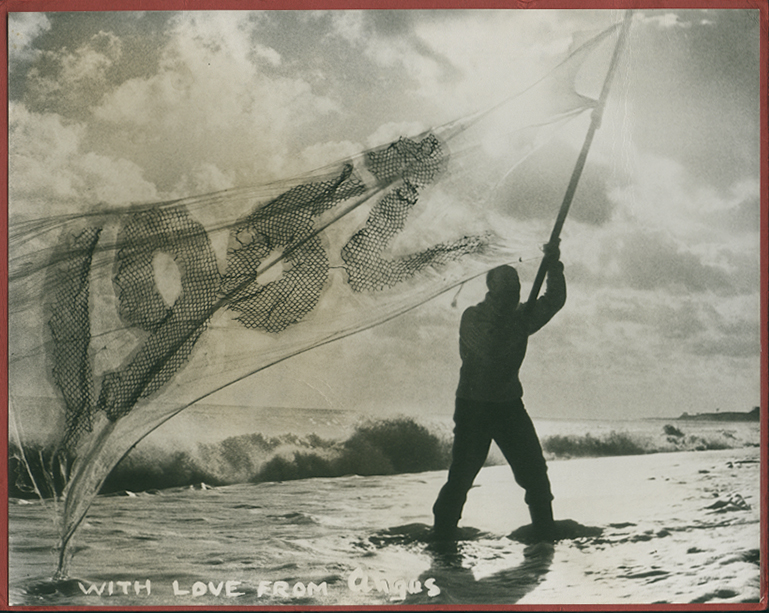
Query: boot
pixel 444 530
pixel 542 521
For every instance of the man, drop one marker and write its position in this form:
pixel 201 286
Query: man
pixel 493 337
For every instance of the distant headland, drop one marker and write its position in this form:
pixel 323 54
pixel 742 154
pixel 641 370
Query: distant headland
pixel 752 415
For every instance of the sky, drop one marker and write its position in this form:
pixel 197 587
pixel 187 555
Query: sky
pixel 661 248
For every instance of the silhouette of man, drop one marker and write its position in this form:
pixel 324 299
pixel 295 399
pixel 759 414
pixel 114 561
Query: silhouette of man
pixel 493 337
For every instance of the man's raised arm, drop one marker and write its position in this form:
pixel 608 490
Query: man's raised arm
pixel 554 297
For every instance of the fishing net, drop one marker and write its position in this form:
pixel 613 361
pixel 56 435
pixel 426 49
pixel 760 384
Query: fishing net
pixel 123 318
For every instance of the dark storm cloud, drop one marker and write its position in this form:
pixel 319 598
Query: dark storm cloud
pixel 693 325
pixel 706 331
pixel 648 261
pixel 681 322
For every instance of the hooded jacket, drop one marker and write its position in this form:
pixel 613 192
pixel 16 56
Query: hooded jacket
pixel 493 338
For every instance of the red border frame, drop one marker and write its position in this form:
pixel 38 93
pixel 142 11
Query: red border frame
pixel 7 6
pixel 194 5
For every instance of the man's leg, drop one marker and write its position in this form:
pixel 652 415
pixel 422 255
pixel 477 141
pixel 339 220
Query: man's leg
pixel 519 443
pixel 471 446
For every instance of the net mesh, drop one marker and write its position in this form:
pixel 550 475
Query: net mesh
pixel 284 229
pixel 419 164
pixel 286 224
pixel 173 329
pixel 70 327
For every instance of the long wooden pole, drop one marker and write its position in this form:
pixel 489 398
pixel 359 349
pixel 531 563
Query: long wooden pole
pixel 595 123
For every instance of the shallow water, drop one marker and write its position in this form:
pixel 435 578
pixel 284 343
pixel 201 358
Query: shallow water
pixel 676 527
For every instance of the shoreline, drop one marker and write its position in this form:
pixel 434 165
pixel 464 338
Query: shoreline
pixel 667 520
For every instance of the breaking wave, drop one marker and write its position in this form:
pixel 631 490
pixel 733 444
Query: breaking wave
pixel 614 443
pixel 384 447
pixel 376 448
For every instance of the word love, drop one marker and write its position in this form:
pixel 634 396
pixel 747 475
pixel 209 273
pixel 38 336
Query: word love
pixel 215 589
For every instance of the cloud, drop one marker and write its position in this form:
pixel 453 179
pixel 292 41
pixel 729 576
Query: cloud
pixel 392 131
pixel 741 341
pixel 626 350
pixel 319 154
pixel 663 21
pixel 690 325
pixel 537 187
pixel 624 371
pixel 745 215
pixel 665 196
pixel 91 61
pixel 638 258
pixel 23 29
pixel 213 101
pixel 651 261
pixel 71 82
pixel 694 96
pixel 204 178
pixel 52 172
pixel 463 59
pixel 410 364
pixel 268 54
pixel 349 25
pixel 204 106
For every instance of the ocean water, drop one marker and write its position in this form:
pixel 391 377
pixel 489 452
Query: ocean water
pixel 328 508
pixel 219 445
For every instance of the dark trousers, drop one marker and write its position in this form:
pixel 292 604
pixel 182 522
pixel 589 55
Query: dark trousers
pixel 476 425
